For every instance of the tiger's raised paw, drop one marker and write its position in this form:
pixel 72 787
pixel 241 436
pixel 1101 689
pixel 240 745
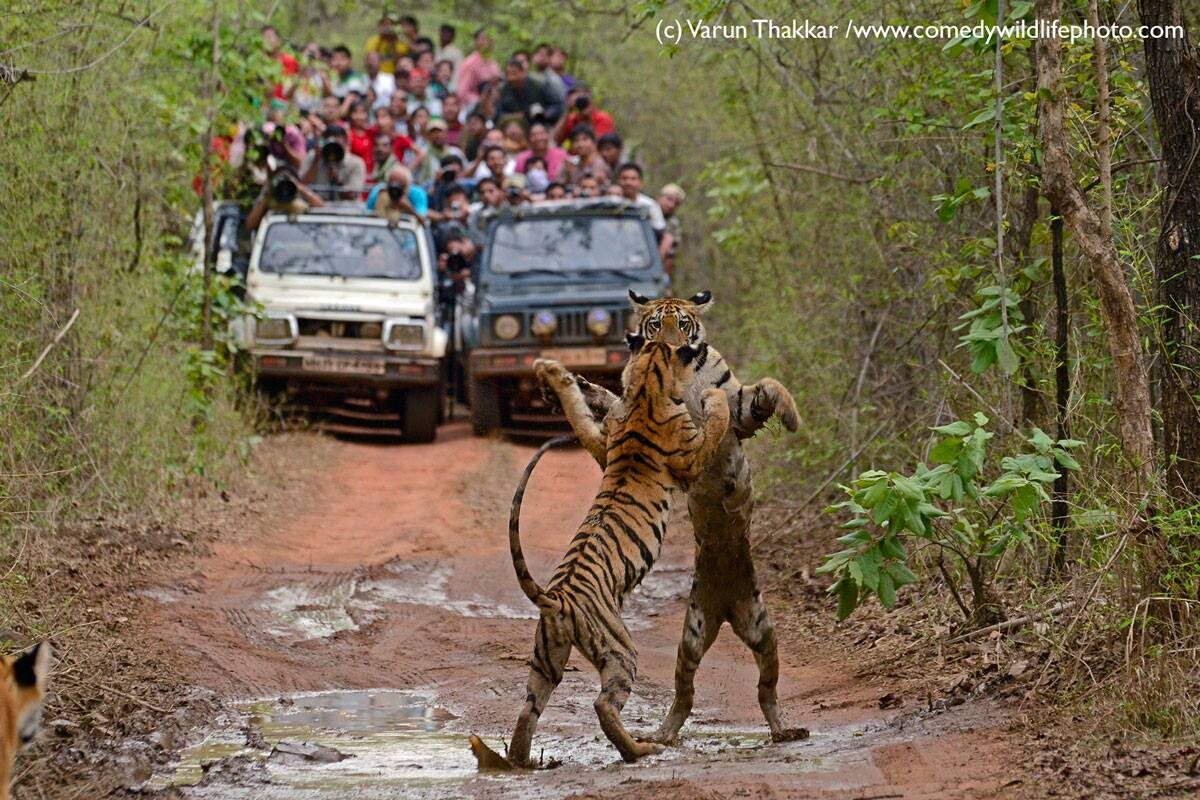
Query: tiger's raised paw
pixel 552 373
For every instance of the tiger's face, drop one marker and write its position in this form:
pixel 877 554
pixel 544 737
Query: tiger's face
pixel 667 368
pixel 22 687
pixel 683 314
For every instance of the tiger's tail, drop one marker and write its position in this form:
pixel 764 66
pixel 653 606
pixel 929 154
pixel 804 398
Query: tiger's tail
pixel 536 594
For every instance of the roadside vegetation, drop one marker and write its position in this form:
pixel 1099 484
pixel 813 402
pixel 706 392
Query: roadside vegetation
pixel 976 265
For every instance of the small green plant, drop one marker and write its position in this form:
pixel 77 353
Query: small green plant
pixel 958 506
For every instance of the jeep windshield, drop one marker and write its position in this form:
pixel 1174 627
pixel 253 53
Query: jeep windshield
pixel 583 243
pixel 342 249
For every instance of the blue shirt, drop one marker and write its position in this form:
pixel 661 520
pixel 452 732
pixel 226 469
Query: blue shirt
pixel 416 196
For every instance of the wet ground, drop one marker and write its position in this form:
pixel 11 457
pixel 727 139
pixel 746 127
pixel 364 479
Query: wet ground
pixel 362 634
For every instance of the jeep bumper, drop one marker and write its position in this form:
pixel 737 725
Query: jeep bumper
pixel 341 368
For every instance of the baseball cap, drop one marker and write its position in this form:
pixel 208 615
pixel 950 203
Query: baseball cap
pixel 437 124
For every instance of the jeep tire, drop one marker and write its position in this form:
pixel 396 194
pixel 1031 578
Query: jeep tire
pixel 483 396
pixel 419 419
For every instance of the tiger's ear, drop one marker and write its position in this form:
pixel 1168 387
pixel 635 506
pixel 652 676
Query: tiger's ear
pixel 687 354
pixel 31 667
pixel 637 301
pixel 702 301
pixel 635 341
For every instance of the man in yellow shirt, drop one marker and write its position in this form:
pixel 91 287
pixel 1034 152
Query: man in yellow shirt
pixel 388 44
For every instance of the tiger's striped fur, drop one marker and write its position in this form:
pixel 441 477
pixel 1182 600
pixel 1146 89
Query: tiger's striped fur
pixel 22 686
pixel 721 504
pixel 652 447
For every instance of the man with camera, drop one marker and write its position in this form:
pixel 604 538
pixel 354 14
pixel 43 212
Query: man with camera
pixel 398 196
pixel 525 96
pixel 581 111
pixel 332 170
pixel 437 152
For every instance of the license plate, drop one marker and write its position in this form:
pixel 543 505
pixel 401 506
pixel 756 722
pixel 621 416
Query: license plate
pixel 578 357
pixel 358 366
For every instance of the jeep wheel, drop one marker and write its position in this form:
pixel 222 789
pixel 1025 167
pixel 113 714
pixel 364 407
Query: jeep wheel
pixel 484 398
pixel 422 407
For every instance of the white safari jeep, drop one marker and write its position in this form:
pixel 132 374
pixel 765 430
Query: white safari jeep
pixel 348 325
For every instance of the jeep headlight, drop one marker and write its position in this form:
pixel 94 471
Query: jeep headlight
pixel 544 323
pixel 506 327
pixel 599 322
pixel 403 335
pixel 275 329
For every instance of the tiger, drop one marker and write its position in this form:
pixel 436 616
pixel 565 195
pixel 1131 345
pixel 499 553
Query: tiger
pixel 22 687
pixel 720 502
pixel 653 447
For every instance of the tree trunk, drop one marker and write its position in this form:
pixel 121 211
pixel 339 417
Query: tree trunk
pixel 1060 510
pixel 1132 394
pixel 1173 70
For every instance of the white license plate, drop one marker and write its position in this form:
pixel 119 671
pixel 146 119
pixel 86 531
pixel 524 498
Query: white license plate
pixel 578 357
pixel 357 366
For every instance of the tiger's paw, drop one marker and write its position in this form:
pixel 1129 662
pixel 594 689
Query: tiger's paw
pixel 661 738
pixel 488 759
pixel 553 374
pixel 642 748
pixel 789 735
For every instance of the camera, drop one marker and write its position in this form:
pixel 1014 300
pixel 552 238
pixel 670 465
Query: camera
pixel 396 192
pixel 456 262
pixel 333 150
pixel 283 188
pixel 582 102
pixel 513 194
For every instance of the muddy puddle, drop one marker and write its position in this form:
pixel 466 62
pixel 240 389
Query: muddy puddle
pixel 327 744
pixel 389 743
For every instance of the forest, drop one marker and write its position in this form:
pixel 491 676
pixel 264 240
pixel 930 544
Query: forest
pixel 974 260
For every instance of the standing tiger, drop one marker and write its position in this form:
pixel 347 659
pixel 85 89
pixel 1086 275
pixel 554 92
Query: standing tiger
pixel 22 686
pixel 653 447
pixel 720 502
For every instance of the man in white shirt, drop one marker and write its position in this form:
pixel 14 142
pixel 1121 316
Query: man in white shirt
pixel 629 178
pixel 448 51
pixel 384 83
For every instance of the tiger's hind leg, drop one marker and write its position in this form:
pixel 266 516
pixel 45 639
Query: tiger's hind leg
pixel 616 661
pixel 550 655
pixel 754 406
pixel 700 628
pixel 752 623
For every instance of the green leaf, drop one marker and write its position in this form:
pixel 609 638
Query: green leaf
pixel 946 451
pixel 868 569
pixel 1066 460
pixel 887 590
pixel 847 598
pixel 856 538
pixel 874 495
pixel 891 547
pixel 959 428
pixel 900 573
pixel 1006 356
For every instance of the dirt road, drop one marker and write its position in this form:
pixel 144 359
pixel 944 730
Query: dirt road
pixel 378 615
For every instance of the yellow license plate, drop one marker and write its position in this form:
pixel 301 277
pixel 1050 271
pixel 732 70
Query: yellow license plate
pixel 578 357
pixel 357 366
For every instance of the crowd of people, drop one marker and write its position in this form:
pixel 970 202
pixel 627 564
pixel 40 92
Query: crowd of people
pixel 424 129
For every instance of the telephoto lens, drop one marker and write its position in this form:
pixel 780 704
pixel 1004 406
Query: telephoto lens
pixel 396 192
pixel 333 151
pixel 283 189
pixel 582 102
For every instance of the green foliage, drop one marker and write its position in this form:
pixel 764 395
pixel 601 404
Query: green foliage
pixel 959 506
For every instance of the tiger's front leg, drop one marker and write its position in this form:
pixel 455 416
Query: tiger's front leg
pixel 754 405
pixel 559 379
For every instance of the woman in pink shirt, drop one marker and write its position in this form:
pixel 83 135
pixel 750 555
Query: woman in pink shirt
pixel 475 69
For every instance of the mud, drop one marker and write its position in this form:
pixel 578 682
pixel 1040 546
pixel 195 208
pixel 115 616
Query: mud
pixel 381 618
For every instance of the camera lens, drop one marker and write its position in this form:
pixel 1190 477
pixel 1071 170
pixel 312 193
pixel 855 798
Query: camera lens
pixel 395 192
pixel 333 151
pixel 582 102
pixel 283 189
